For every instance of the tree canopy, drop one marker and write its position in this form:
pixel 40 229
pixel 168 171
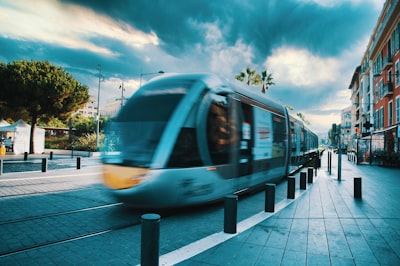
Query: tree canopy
pixel 35 90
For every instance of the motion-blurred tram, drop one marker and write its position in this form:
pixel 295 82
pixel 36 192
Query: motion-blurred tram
pixel 186 139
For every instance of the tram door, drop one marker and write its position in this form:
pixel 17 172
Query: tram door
pixel 245 137
pixel 247 140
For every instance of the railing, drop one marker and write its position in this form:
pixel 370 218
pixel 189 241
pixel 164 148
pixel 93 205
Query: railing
pixel 387 89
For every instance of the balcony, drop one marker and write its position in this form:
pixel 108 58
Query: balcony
pixel 387 89
pixel 387 62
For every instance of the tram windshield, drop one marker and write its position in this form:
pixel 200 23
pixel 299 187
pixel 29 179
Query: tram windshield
pixel 133 136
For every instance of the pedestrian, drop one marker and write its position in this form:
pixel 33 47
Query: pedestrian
pixel 9 144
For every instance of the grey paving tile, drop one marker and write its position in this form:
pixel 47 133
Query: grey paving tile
pixel 293 258
pixel 300 225
pixel 270 256
pixel 317 259
pixel 297 241
pixel 360 249
pixel 383 252
pixel 259 235
pixel 336 261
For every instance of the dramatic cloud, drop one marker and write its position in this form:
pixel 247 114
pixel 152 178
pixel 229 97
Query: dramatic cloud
pixel 311 46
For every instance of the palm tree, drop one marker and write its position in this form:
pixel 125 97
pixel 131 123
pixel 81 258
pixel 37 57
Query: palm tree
pixel 254 79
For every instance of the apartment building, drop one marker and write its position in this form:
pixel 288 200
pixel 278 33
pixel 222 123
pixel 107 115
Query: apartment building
pixel 375 85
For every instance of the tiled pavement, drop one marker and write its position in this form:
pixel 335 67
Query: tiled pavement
pixel 324 226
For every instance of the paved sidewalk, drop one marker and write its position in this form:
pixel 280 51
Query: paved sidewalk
pixel 324 226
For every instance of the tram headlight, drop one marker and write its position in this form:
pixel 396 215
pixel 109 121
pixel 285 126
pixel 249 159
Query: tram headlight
pixel 120 177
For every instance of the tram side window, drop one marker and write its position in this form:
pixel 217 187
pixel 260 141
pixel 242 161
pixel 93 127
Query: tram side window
pixel 218 132
pixel 279 148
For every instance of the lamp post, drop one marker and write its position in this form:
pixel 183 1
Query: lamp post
pixel 121 87
pixel 151 73
pixel 98 108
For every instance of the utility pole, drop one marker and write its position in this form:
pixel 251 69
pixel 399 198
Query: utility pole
pixel 98 109
pixel 122 93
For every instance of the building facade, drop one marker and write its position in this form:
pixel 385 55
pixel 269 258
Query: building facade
pixel 346 127
pixel 376 87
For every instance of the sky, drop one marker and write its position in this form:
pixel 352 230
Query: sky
pixel 311 47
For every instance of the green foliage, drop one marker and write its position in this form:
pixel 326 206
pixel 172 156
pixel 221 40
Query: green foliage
pixel 252 78
pixel 39 90
pixel 57 142
pixel 303 118
pixel 86 142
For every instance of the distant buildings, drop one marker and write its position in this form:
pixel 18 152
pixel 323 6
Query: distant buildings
pixel 375 87
pixel 90 109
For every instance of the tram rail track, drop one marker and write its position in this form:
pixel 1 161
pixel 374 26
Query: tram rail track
pixel 61 227
pixel 58 214
pixel 48 244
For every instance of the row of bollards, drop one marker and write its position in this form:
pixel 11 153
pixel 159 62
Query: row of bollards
pixel 44 164
pixel 150 235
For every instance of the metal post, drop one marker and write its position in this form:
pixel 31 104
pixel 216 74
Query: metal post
pixel 78 162
pixel 1 167
pixel 230 214
pixel 330 163
pixel 269 198
pixel 291 187
pixel 51 155
pixel 44 164
pixel 303 184
pixel 357 187
pixel 150 239
pixel 339 160
pixel 25 156
pixel 310 171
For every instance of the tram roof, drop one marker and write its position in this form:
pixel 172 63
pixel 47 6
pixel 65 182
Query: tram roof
pixel 221 85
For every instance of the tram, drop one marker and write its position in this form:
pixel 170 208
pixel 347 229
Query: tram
pixel 187 139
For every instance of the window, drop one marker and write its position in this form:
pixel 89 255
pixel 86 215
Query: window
pixel 381 117
pixel 219 130
pixel 390 113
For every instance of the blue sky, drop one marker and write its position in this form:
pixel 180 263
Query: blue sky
pixel 310 46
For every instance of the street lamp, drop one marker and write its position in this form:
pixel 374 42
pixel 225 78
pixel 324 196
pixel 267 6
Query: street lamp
pixel 98 108
pixel 121 87
pixel 151 73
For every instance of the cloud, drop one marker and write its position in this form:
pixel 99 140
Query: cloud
pixel 67 25
pixel 299 67
pixel 333 3
pixel 311 46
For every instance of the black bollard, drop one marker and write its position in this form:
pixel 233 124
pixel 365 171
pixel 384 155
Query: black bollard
pixel 78 162
pixel 269 198
pixel 291 187
pixel 1 167
pixel 150 239
pixel 303 180
pixel 44 164
pixel 330 162
pixel 310 175
pixel 51 155
pixel 357 187
pixel 230 214
pixel 25 156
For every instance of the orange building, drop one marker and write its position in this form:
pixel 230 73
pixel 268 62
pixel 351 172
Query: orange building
pixel 376 93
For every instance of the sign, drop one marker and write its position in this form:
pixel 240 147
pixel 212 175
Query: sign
pixel 263 134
